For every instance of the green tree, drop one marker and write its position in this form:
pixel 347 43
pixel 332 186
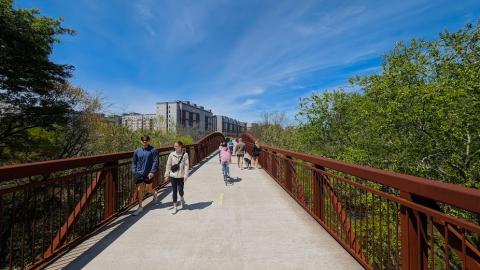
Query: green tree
pixel 420 116
pixel 31 92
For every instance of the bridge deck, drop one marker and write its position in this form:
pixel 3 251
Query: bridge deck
pixel 250 224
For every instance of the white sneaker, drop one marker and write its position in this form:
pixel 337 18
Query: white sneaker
pixel 138 211
pixel 155 197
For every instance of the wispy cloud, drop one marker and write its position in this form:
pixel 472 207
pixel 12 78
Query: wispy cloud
pixel 238 58
pixel 248 102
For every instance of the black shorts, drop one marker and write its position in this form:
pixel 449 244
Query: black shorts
pixel 142 179
pixel 256 154
pixel 240 155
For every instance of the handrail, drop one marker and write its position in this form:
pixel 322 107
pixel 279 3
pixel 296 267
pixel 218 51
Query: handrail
pixel 456 195
pixel 16 171
pixel 59 203
pixel 400 227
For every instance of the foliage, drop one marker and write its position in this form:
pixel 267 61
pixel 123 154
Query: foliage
pixel 420 116
pixel 31 85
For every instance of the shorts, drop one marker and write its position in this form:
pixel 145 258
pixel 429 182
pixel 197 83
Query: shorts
pixel 256 154
pixel 241 154
pixel 142 179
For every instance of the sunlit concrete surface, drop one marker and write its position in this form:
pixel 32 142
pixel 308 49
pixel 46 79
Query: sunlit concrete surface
pixel 252 223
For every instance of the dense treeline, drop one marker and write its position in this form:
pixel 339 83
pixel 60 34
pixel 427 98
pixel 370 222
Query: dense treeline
pixel 420 115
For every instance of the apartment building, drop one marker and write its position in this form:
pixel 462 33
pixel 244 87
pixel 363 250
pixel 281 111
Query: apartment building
pixel 228 126
pixel 136 121
pixel 184 114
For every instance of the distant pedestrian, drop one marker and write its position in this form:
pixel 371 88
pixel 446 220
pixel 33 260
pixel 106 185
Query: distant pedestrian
pixel 219 150
pixel 248 161
pixel 234 145
pixel 144 167
pixel 255 154
pixel 230 146
pixel 240 150
pixel 177 171
pixel 226 159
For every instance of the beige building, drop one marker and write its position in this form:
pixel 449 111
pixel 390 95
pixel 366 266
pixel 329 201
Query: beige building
pixel 136 121
pixel 228 126
pixel 184 114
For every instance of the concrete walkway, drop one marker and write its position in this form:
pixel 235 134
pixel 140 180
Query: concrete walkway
pixel 250 224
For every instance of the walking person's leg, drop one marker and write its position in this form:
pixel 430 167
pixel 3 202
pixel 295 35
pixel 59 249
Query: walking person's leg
pixel 151 191
pixel 174 182
pixel 224 172
pixel 139 192
pixel 180 191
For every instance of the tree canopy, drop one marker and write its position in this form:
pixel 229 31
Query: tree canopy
pixel 32 86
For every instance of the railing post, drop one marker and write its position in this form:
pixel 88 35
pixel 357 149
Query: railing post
pixel 274 165
pixel 413 227
pixel 204 151
pixel 318 179
pixel 110 192
pixel 196 154
pixel 288 173
pixel 190 160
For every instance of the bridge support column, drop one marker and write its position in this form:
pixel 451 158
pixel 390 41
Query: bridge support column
pixel 414 244
pixel 110 191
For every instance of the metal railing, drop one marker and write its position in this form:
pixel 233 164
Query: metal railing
pixel 385 220
pixel 48 207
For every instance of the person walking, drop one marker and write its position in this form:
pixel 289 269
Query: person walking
pixel 240 150
pixel 230 146
pixel 177 171
pixel 226 159
pixel 219 150
pixel 255 154
pixel 235 141
pixel 144 167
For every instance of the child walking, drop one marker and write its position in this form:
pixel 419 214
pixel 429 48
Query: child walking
pixel 226 159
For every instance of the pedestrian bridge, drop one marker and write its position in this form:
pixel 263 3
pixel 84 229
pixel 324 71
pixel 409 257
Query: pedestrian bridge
pixel 249 224
pixel 297 212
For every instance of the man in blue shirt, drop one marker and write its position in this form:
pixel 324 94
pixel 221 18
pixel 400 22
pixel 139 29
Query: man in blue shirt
pixel 144 167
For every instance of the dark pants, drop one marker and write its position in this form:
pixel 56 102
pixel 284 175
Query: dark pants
pixel 177 183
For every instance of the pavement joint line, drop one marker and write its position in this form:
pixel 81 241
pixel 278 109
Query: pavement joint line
pixel 220 199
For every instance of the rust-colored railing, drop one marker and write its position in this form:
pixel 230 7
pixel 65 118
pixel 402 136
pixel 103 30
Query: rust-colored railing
pixel 385 220
pixel 48 207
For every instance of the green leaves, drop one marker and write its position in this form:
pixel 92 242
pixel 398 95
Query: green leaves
pixel 420 116
pixel 31 86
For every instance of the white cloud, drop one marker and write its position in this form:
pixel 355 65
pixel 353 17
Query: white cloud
pixel 248 102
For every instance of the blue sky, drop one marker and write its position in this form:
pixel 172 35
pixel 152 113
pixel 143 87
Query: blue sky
pixel 239 58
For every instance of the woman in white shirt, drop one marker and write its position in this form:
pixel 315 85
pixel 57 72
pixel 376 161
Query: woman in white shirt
pixel 177 171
